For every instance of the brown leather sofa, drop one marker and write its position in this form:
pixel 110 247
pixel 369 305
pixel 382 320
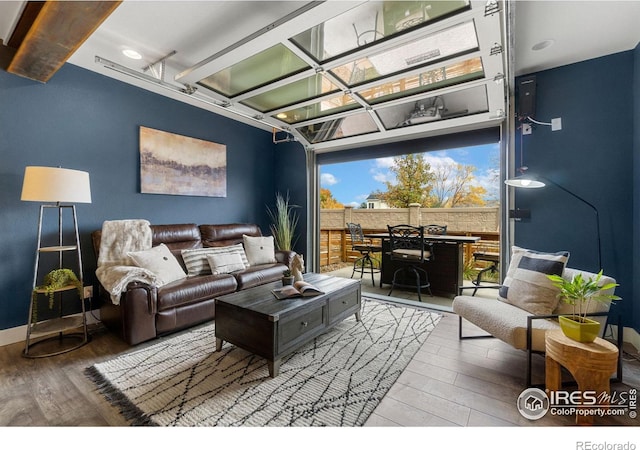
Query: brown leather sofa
pixel 146 312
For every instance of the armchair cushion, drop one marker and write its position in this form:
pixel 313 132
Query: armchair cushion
pixel 526 284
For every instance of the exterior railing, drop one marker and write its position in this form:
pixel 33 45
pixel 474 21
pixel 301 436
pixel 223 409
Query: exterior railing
pixel 335 240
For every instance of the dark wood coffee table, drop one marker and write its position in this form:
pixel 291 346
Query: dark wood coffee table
pixel 253 319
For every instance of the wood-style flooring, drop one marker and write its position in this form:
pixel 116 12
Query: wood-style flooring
pixel 448 383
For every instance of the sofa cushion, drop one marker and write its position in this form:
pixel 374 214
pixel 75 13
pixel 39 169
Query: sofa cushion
pixel 503 321
pixel 194 289
pixel 196 259
pixel 256 275
pixel 526 284
pixel 259 250
pixel 161 262
pixel 225 263
pixel 222 235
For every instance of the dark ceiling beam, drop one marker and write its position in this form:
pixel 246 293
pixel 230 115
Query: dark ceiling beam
pixel 58 29
pixel 29 14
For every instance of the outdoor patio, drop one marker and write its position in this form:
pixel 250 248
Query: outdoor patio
pixel 401 295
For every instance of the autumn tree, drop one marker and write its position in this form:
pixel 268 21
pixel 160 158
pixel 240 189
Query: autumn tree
pixel 413 182
pixel 327 201
pixel 453 187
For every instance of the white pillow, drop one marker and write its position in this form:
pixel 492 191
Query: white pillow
pixel 225 263
pixel 259 249
pixel 161 262
pixel 526 284
pixel 196 261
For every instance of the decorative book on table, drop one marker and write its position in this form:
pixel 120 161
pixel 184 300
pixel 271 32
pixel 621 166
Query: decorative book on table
pixel 298 289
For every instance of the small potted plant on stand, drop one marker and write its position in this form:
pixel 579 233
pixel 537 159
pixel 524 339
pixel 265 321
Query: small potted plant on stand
pixel 580 292
pixel 287 278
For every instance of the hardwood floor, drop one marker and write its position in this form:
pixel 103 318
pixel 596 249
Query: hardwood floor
pixel 472 383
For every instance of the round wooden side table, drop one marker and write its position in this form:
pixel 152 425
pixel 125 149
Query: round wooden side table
pixel 591 365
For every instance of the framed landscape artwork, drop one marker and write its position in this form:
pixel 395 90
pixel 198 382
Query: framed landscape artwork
pixel 181 165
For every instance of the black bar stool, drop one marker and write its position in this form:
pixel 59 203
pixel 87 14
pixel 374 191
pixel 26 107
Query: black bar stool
pixel 364 264
pixel 408 247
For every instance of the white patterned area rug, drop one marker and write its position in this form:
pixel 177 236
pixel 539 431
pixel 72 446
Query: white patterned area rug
pixel 335 380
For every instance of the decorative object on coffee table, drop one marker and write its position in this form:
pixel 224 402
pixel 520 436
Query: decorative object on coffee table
pixel 287 278
pixel 297 267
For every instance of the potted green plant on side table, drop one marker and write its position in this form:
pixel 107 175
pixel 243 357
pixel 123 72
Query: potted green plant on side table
pixel 579 292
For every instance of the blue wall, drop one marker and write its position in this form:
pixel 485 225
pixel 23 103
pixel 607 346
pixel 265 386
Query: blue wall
pixel 593 157
pixel 82 120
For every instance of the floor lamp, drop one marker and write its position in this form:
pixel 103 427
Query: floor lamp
pixel 53 186
pixel 531 182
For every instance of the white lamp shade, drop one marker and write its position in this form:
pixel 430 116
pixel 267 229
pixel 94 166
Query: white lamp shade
pixel 54 184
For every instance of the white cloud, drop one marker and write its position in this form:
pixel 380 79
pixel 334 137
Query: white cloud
pixel 354 204
pixel 327 179
pixel 382 177
pixel 439 161
pixel 384 163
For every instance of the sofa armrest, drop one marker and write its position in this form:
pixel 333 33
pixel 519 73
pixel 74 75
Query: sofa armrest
pixel 139 308
pixel 285 257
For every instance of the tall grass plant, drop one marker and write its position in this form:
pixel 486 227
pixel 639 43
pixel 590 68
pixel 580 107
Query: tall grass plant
pixel 284 222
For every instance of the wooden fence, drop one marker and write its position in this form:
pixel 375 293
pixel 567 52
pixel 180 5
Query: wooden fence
pixel 335 245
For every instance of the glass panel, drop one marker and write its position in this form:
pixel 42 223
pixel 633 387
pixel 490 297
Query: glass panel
pixel 339 128
pixel 369 22
pixel 461 72
pixel 464 102
pixel 267 66
pixel 289 94
pixel 448 43
pixel 332 105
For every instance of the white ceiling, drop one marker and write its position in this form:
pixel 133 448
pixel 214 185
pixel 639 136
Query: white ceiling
pixel 581 29
pixel 195 30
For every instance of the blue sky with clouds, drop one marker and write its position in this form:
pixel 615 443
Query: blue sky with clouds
pixel 352 182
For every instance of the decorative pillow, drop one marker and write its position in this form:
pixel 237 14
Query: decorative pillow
pixel 161 262
pixel 526 284
pixel 260 250
pixel 196 261
pixel 225 263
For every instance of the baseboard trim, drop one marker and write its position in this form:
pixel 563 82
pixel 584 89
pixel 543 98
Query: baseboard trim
pixel 19 334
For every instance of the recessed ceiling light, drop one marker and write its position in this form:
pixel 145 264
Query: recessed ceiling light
pixel 130 53
pixel 281 116
pixel 543 44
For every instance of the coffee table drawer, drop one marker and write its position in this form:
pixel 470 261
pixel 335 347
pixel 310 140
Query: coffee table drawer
pixel 343 305
pixel 294 329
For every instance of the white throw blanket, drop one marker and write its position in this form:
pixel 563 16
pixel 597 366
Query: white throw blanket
pixel 115 268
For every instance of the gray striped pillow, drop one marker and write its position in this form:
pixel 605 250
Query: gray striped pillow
pixel 195 260
pixel 526 284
